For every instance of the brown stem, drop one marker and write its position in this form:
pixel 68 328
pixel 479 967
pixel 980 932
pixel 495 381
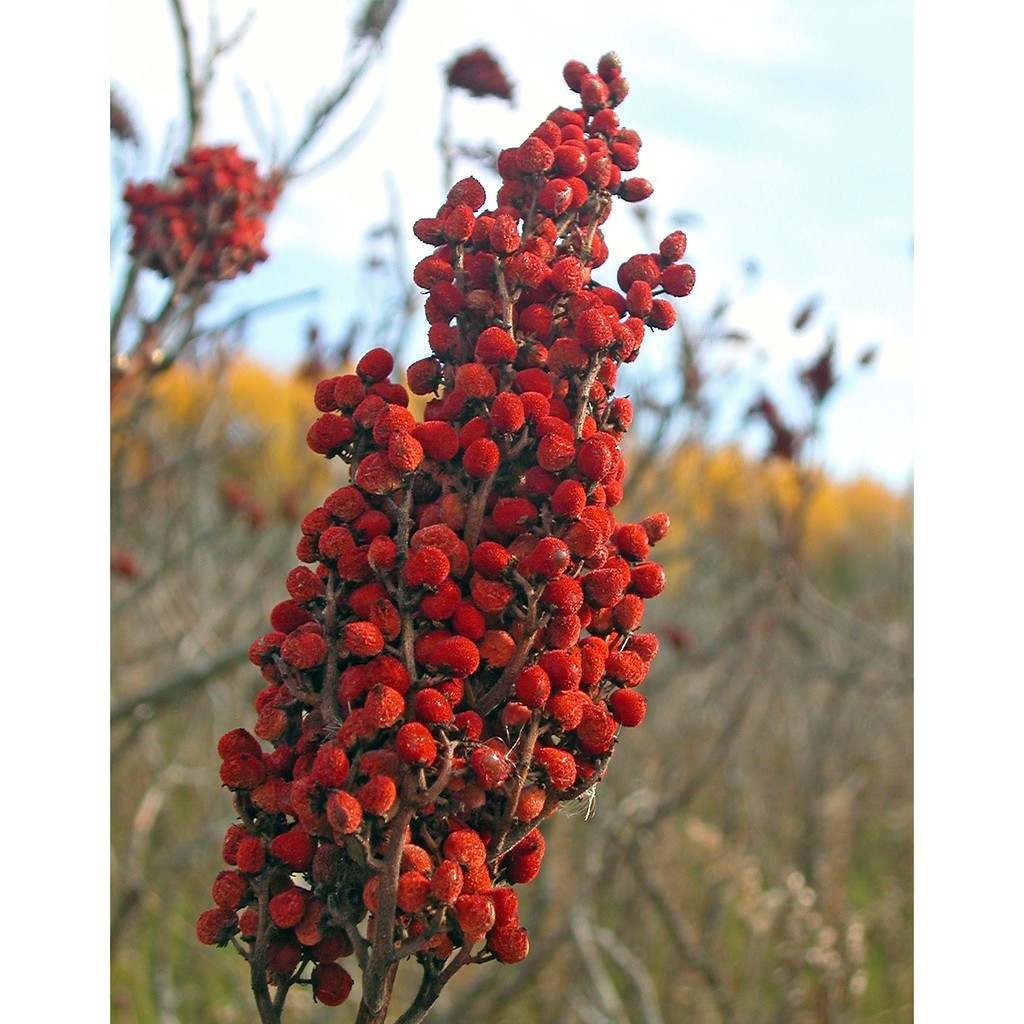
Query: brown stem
pixel 525 762
pixel 506 298
pixel 329 705
pixel 431 986
pixel 258 959
pixel 442 775
pixel 368 1015
pixel 584 394
pixel 475 513
pixel 499 692
pixel 193 90
pixel 379 974
pixel 124 301
pixel 408 625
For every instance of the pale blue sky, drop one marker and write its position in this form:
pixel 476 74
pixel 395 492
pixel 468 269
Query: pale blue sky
pixel 786 125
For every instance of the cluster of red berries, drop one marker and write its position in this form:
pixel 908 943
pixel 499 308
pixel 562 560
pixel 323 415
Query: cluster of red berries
pixel 207 225
pixel 461 643
pixel 479 73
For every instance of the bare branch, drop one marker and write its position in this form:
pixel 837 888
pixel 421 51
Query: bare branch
pixel 193 89
pixel 176 685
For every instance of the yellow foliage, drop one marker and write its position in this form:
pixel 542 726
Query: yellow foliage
pixel 253 418
pixel 859 512
pixel 728 493
pixel 184 394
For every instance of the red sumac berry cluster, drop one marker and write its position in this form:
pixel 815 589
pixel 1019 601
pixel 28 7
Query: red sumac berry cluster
pixel 479 73
pixel 209 223
pixel 461 642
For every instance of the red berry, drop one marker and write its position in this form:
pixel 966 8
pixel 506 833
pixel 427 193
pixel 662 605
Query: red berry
pixel 413 891
pixel 533 687
pixel 286 908
pixel 446 881
pixel 465 847
pixel 331 984
pixel 628 707
pixel 559 764
pixel 294 848
pixel 215 927
pixel 509 943
pixel 363 639
pixel 679 280
pixel 344 813
pixel 376 365
pixel 440 440
pixel 230 888
pixel 481 458
pixel 507 413
pixel 415 745
pixel 242 771
pixel 426 567
pixel 475 915
pixel 492 767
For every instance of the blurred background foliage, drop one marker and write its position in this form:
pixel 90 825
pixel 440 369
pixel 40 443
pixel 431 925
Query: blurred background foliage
pixel 749 857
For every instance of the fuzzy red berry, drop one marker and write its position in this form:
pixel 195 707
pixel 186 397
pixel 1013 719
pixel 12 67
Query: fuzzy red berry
pixel 465 847
pixel 628 613
pixel 331 984
pixel 628 707
pixel 215 927
pixel 413 891
pixel 384 706
pixel 679 280
pixel 242 771
pixel 250 856
pixel 567 274
pixel 376 365
pixel 238 741
pixel 594 329
pixel 446 881
pixel 415 745
pixel 303 650
pixel 286 908
pixel 509 943
pixel 559 764
pixel 405 453
pixel 344 812
pixel 550 558
pixel 431 708
pixel 229 890
pixel 672 247
pixel 427 567
pixel 363 639
pixel 492 767
pixel 525 859
pixel 378 795
pixel 647 579
pixel 440 440
pixel 662 315
pixel 294 848
pixel 507 412
pixel 533 687
pixel 457 654
pixel 531 803
pixel 475 915
pixel 481 458
pixel 495 346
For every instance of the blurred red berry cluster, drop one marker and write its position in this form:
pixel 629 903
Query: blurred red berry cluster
pixel 479 73
pixel 461 641
pixel 208 224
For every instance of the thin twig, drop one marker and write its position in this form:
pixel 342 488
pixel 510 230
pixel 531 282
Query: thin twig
pixel 176 685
